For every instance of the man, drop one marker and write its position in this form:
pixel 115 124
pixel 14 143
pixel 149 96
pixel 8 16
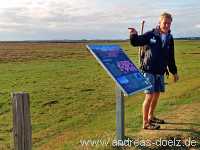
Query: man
pixel 156 59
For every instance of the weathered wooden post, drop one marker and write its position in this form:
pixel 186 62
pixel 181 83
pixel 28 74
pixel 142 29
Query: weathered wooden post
pixel 119 114
pixel 22 131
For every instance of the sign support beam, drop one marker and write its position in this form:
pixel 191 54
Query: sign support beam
pixel 119 114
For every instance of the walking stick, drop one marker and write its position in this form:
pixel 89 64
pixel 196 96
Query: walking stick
pixel 141 48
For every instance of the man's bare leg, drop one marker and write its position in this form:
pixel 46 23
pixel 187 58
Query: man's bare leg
pixel 153 104
pixel 146 106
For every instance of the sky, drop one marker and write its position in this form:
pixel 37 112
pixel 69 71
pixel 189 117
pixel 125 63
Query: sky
pixel 92 19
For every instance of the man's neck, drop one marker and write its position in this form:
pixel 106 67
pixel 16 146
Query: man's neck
pixel 161 32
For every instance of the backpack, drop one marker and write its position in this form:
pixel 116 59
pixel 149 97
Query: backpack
pixel 144 55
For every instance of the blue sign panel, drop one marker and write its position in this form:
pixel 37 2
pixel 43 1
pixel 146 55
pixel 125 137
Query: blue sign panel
pixel 120 68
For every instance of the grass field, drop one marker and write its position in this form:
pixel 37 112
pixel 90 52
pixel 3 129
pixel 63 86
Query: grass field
pixel 73 99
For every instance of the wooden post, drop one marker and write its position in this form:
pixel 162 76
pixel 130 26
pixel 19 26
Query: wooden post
pixel 22 131
pixel 119 114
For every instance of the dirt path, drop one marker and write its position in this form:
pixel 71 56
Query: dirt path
pixel 182 127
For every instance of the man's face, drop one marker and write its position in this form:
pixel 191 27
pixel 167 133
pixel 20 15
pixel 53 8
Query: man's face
pixel 165 24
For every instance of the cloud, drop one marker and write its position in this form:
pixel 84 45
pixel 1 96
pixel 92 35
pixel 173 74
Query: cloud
pixel 34 16
pixel 82 19
pixel 197 25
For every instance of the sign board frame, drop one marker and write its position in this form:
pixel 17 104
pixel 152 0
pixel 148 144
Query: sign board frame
pixel 110 74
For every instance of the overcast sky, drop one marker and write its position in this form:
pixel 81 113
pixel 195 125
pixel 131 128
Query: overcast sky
pixel 92 19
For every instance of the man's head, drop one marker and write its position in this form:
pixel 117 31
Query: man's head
pixel 165 22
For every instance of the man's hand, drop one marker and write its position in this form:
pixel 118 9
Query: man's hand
pixel 132 31
pixel 175 77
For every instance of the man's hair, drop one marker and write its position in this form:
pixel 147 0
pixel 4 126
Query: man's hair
pixel 166 15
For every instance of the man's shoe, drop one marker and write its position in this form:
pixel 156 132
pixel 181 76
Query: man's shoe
pixel 156 120
pixel 151 126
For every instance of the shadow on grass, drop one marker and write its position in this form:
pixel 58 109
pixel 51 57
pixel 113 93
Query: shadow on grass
pixel 194 133
pixel 191 130
pixel 182 123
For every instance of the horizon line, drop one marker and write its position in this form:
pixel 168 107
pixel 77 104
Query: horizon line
pixel 39 40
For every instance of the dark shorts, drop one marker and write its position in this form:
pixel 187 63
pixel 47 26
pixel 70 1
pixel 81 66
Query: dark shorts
pixel 157 82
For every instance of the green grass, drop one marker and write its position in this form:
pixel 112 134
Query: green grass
pixel 70 92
